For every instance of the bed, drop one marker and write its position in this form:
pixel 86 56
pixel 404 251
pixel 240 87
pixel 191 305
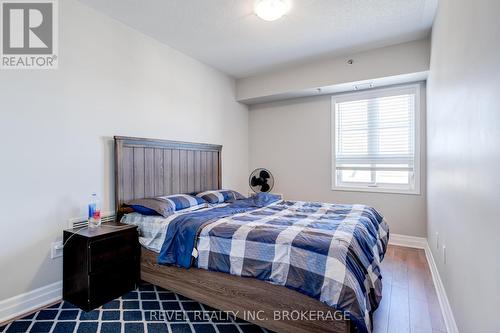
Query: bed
pixel 148 168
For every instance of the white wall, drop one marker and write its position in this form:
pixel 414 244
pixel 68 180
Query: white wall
pixel 464 158
pixel 292 139
pixel 56 129
pixel 396 60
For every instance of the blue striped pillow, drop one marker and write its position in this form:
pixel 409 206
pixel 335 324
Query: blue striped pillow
pixel 185 202
pixel 220 196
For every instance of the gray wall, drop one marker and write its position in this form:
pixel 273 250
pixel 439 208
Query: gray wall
pixel 464 158
pixel 292 139
pixel 56 129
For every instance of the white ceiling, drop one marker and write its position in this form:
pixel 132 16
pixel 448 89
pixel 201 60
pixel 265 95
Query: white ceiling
pixel 228 36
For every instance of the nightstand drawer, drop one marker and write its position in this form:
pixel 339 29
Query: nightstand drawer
pixel 107 286
pixel 112 253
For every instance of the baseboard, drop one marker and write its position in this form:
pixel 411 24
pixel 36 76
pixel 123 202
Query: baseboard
pixel 22 304
pixel 449 319
pixel 408 241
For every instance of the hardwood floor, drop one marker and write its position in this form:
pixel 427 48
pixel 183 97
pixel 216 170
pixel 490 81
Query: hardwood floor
pixel 409 302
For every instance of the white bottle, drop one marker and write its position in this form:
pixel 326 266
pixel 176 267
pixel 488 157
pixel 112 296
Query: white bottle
pixel 94 211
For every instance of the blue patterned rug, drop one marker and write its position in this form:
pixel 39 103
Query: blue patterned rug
pixel 149 309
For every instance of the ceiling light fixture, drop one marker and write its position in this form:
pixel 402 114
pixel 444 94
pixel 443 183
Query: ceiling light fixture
pixel 270 10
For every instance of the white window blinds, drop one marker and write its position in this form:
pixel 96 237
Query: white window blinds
pixel 375 139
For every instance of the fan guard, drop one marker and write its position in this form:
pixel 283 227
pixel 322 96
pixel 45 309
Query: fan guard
pixel 261 180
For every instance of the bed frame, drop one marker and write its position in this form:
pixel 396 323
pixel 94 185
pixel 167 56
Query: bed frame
pixel 146 168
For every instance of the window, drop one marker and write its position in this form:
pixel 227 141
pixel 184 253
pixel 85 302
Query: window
pixel 375 140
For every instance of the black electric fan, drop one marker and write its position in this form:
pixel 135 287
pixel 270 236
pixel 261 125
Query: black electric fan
pixel 261 180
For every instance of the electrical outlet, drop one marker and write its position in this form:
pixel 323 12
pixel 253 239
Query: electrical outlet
pixel 444 254
pixel 56 250
pixel 437 240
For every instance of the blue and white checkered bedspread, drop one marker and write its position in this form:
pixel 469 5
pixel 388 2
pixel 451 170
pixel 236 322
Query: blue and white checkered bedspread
pixel 327 251
pixel 330 252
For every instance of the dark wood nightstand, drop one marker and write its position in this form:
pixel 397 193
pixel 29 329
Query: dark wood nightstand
pixel 100 264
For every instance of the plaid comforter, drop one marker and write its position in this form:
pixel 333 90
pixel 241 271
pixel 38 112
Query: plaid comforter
pixel 329 252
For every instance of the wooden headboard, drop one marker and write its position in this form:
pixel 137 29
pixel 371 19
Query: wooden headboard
pixel 149 167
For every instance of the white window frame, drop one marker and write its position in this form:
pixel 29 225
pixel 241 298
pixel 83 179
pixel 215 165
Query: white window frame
pixel 373 187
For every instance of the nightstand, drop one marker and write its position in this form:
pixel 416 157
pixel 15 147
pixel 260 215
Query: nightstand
pixel 100 264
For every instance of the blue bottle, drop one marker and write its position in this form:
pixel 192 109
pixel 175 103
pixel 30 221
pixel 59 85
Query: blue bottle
pixel 94 217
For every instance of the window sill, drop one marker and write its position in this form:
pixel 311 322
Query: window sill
pixel 375 190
